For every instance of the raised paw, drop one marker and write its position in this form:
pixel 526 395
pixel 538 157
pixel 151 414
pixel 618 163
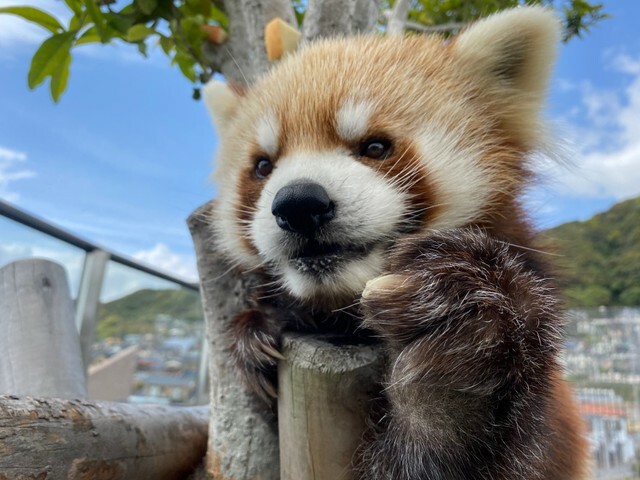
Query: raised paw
pixel 255 350
pixel 461 307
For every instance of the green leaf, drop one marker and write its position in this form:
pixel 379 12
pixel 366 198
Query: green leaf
pixel 219 16
pixel 36 16
pixel 139 32
pixel 96 15
pixel 75 6
pixel 119 23
pixel 147 6
pixel 48 57
pixel 142 48
pixel 166 44
pixel 185 63
pixel 60 77
pixel 76 22
pixel 198 7
pixel 89 36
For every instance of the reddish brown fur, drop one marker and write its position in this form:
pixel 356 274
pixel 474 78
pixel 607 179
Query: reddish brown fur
pixel 473 326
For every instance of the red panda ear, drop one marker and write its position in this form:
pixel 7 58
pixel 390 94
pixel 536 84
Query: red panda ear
pixel 221 100
pixel 511 54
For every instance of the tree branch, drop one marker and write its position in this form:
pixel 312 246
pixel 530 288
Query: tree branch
pixel 398 17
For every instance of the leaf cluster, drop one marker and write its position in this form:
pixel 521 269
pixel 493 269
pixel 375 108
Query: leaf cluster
pixel 181 28
pixel 578 15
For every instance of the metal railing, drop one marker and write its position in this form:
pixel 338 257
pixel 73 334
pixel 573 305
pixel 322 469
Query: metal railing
pixel 92 278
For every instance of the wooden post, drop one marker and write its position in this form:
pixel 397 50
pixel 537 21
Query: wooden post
pixel 78 440
pixel 243 438
pixel 38 337
pixel 325 390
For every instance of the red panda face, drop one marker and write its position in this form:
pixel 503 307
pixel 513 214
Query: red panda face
pixel 351 144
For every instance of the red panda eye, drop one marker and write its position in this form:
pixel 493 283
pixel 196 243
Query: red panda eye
pixel 263 167
pixel 375 148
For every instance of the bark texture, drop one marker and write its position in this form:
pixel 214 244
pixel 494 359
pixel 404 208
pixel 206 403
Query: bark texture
pixel 243 58
pixel 330 18
pixel 44 439
pixel 243 439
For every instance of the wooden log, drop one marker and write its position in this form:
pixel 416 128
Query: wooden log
pixel 325 390
pixel 38 337
pixel 78 440
pixel 243 439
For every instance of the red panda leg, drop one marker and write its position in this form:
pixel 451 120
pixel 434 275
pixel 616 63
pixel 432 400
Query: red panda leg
pixel 255 351
pixel 473 334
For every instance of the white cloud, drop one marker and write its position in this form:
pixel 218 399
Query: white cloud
pixel 10 171
pixel 608 158
pixel 161 257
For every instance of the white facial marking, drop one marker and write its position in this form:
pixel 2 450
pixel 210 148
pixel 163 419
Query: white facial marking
pixel 464 186
pixel 368 211
pixel 353 119
pixel 267 132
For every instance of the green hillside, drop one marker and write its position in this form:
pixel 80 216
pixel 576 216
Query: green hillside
pixel 600 258
pixel 137 312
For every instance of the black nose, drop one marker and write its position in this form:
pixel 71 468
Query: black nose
pixel 302 208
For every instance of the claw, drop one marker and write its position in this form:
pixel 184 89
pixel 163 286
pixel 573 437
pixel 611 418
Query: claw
pixel 271 351
pixel 268 388
pixel 384 282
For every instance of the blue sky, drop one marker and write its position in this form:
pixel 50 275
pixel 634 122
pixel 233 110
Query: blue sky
pixel 126 154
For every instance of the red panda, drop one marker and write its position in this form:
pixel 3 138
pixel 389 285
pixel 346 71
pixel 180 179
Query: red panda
pixel 383 175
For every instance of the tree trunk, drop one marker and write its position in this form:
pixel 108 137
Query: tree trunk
pixel 243 439
pixel 329 18
pixel 78 440
pixel 243 58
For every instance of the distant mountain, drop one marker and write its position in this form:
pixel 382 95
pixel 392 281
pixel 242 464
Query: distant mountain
pixel 137 312
pixel 600 257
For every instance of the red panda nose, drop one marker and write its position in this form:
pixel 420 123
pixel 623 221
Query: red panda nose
pixel 302 208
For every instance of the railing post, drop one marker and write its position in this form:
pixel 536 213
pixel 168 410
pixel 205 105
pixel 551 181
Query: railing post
pixel 95 264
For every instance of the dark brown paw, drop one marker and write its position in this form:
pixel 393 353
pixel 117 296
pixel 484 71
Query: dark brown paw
pixel 462 308
pixel 255 350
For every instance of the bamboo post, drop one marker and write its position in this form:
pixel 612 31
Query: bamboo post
pixel 78 440
pixel 325 389
pixel 38 337
pixel 243 438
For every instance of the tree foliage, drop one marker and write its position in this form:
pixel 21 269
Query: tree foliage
pixel 600 258
pixel 182 27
